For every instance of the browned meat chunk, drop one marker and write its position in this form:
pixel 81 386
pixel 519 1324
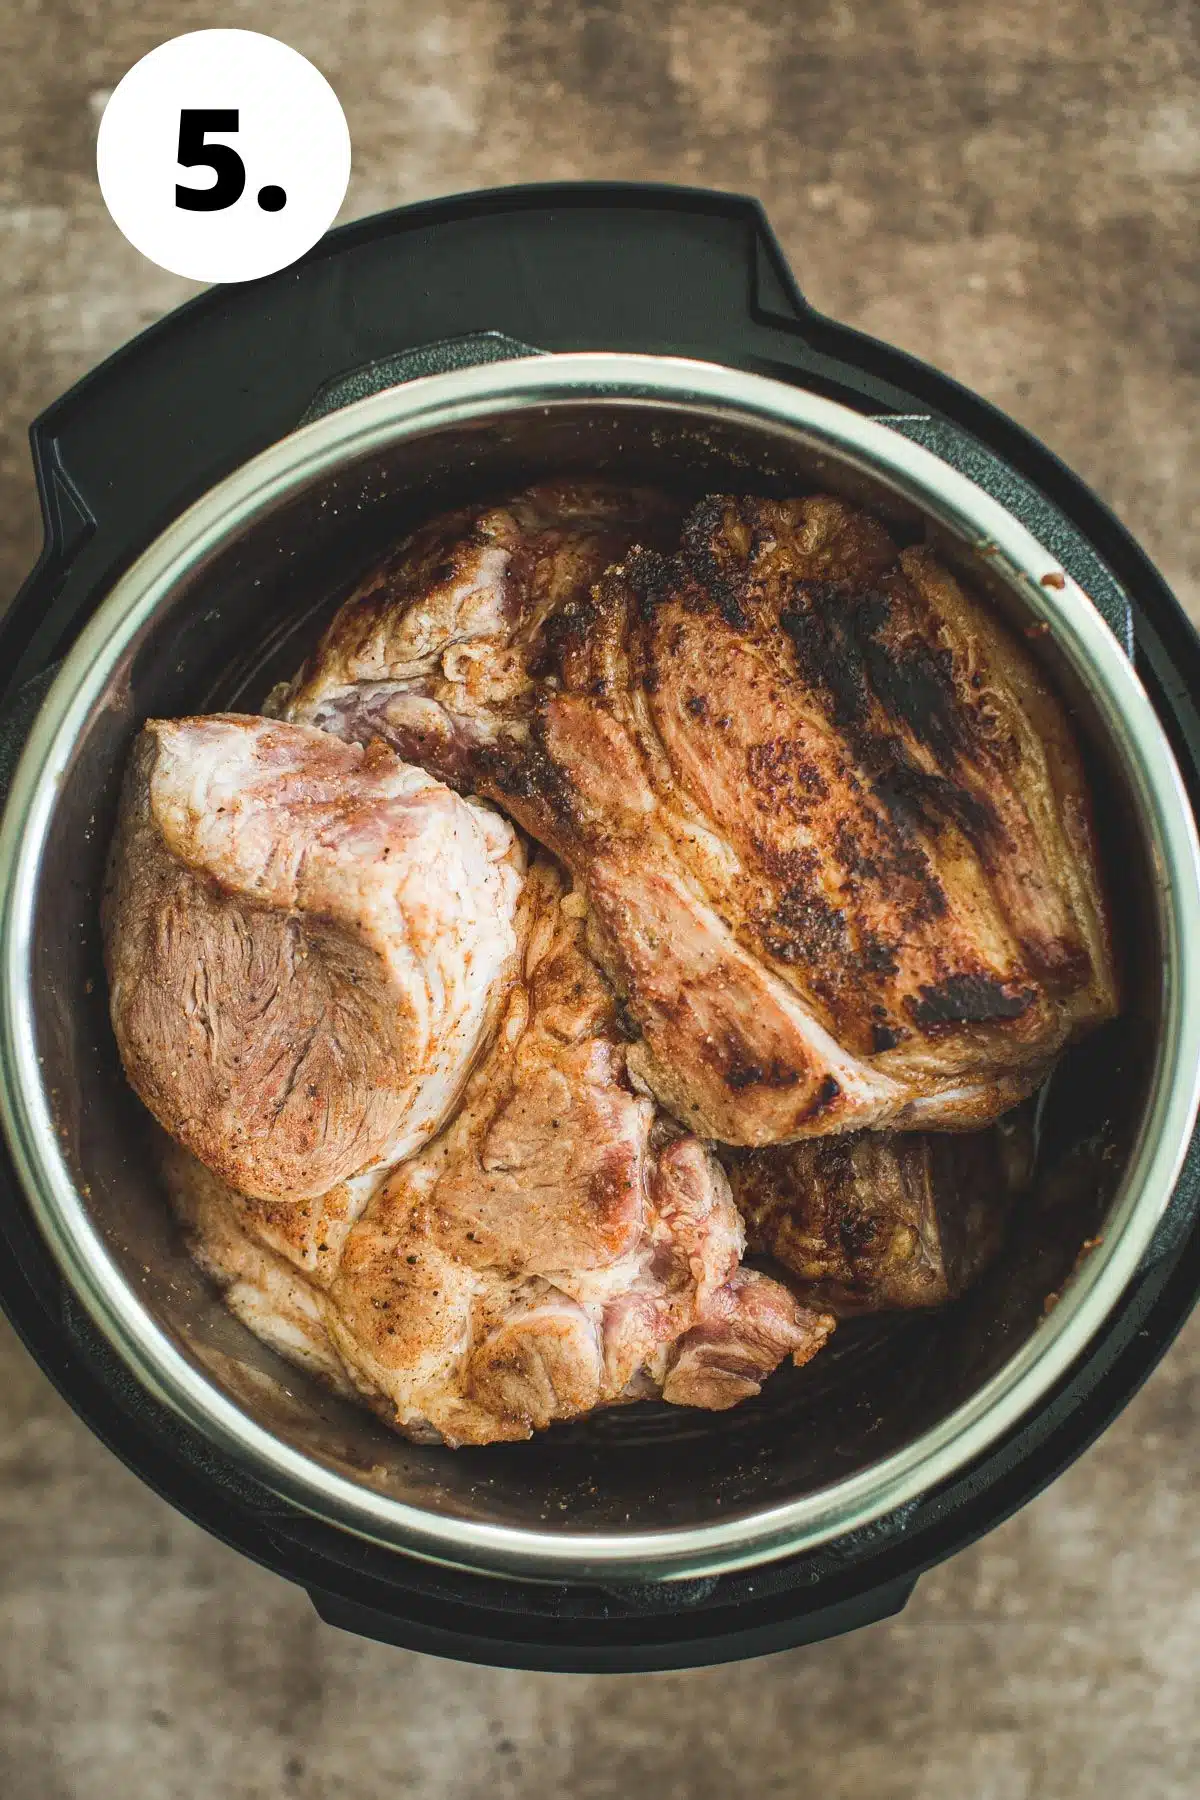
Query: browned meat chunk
pixel 307 944
pixel 830 821
pixel 881 1219
pixel 552 1251
pixel 439 648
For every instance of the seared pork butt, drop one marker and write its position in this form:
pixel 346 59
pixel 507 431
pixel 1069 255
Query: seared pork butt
pixel 441 645
pixel 877 1220
pixel 557 1248
pixel 829 819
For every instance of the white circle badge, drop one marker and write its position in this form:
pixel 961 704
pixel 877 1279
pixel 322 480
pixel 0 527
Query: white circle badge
pixel 223 155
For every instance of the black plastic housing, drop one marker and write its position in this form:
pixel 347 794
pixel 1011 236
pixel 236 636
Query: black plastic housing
pixel 660 270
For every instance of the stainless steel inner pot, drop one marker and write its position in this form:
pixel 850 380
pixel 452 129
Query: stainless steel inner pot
pixel 228 599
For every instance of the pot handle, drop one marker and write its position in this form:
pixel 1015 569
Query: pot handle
pixel 631 1639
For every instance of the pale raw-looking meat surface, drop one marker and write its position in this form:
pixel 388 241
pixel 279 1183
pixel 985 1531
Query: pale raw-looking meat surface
pixel 557 1248
pixel 307 945
pixel 829 819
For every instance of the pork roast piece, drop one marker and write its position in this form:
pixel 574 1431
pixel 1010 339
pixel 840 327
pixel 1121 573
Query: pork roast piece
pixel 830 821
pixel 554 1250
pixel 441 644
pixel 876 1220
pixel 306 946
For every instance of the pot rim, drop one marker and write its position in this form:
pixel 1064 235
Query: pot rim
pixel 708 391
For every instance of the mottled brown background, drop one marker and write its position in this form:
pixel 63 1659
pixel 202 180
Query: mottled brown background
pixel 1009 190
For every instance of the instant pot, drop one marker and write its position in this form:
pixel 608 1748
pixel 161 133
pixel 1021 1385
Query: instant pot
pixel 209 494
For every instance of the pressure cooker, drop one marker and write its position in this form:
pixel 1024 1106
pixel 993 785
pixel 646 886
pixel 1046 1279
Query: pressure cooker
pixel 209 495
